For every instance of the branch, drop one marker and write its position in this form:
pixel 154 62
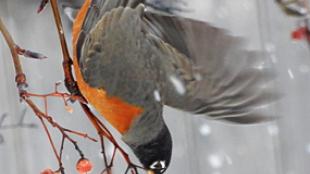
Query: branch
pixel 20 76
pixel 25 96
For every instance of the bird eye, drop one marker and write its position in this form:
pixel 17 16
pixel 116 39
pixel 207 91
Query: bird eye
pixel 158 165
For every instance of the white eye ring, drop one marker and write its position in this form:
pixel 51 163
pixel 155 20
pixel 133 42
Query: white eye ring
pixel 158 165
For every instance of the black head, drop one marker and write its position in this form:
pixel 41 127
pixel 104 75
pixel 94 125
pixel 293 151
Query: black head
pixel 156 154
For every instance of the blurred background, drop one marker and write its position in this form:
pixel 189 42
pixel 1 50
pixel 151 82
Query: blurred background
pixel 200 146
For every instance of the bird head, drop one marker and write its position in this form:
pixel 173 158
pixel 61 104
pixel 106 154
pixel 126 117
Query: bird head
pixel 155 155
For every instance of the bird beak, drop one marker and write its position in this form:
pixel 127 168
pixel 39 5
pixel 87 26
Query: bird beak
pixel 150 172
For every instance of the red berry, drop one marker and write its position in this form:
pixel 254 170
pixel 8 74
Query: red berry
pixel 47 171
pixel 299 33
pixel 84 166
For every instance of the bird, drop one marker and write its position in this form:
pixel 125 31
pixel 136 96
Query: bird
pixel 130 61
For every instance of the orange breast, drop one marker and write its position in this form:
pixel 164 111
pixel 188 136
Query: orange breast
pixel 119 113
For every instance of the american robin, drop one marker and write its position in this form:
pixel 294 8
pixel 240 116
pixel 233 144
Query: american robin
pixel 130 61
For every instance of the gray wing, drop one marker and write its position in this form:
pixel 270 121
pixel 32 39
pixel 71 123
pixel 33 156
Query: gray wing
pixel 95 12
pixel 208 71
pixel 99 8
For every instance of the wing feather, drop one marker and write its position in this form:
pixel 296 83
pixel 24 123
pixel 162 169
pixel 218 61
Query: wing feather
pixel 231 84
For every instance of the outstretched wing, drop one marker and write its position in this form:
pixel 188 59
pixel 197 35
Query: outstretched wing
pixel 209 71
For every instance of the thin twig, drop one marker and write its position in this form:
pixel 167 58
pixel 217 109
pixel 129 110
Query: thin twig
pixel 105 160
pixel 11 44
pixel 67 61
pixel 20 77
